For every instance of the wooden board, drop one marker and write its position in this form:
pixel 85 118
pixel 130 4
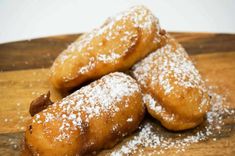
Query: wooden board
pixel 24 76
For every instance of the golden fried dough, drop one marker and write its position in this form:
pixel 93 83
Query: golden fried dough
pixel 174 91
pixel 95 117
pixel 115 46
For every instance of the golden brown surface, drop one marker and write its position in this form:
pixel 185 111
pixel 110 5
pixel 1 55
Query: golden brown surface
pixel 95 117
pixel 119 43
pixel 174 91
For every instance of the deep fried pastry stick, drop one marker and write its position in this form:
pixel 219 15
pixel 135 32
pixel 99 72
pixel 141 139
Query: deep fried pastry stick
pixel 119 43
pixel 174 91
pixel 95 117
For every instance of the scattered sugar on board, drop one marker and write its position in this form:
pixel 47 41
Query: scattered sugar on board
pixel 20 119
pixel 17 124
pixel 90 101
pixel 157 138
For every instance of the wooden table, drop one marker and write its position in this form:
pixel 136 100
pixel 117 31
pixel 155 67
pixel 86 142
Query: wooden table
pixel 24 76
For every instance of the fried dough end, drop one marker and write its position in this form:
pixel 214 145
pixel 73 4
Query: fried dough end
pixel 119 43
pixel 93 118
pixel 174 92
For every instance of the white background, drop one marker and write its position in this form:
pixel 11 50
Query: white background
pixel 26 19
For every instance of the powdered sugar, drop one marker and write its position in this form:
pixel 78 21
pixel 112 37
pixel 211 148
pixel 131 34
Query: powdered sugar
pixel 99 97
pixel 152 136
pixel 168 64
pixel 129 24
pixel 147 98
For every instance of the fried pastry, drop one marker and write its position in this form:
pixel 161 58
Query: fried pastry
pixel 119 43
pixel 174 91
pixel 95 117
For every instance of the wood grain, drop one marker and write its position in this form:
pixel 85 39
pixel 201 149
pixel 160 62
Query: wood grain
pixel 40 53
pixel 23 78
pixel 19 88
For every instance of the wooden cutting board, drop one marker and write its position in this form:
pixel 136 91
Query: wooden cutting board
pixel 24 76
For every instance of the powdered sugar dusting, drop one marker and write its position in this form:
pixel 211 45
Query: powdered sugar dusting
pixel 99 97
pixel 152 136
pixel 153 104
pixel 168 64
pixel 138 18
